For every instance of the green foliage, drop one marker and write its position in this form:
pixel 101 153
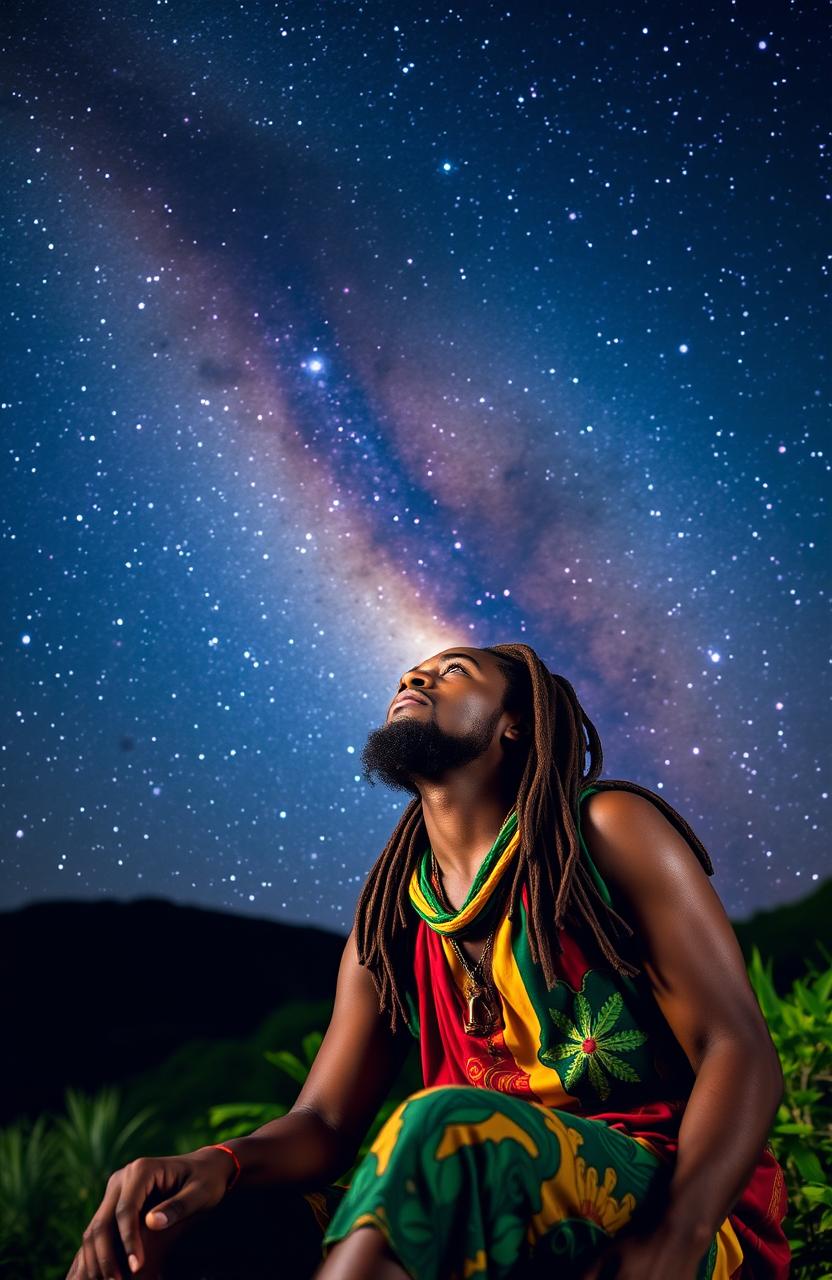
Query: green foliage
pixel 53 1174
pixel 234 1119
pixel 53 1171
pixel 801 1137
pixel 297 1068
pixel 202 1073
pixel 28 1186
pixel 95 1137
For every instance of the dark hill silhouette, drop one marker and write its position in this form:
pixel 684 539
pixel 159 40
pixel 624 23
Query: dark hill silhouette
pixel 789 934
pixel 96 993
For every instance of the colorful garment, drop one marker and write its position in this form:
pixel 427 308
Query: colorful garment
pixel 544 1137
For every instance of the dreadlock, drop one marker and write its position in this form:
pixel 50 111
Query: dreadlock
pixel 548 771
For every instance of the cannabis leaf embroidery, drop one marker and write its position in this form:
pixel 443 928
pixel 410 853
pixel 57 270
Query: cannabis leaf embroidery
pixel 592 1045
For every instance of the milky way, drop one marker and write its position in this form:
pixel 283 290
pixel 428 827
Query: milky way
pixel 338 334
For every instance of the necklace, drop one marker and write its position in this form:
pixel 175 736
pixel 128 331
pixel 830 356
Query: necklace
pixel 481 1016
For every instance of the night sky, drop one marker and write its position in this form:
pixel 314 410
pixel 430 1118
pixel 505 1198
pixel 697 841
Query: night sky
pixel 335 334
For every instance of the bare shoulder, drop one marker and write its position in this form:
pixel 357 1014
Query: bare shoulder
pixel 617 805
pixel 686 941
pixel 631 841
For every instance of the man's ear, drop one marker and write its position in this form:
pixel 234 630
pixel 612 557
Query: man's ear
pixel 515 732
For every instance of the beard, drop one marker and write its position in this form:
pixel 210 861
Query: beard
pixel 409 746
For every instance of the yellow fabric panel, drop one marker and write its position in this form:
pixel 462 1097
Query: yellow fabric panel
pixel 522 1026
pixel 729 1253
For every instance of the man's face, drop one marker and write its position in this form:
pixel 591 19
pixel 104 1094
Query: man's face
pixel 446 712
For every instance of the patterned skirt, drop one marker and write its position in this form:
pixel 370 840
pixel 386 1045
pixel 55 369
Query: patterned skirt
pixel 465 1182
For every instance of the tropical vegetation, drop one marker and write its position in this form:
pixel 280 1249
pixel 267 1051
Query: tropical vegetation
pixel 53 1168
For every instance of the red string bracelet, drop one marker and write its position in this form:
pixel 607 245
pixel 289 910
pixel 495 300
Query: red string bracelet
pixel 220 1146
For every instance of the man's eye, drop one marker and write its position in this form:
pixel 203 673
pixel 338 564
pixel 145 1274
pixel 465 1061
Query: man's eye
pixel 451 666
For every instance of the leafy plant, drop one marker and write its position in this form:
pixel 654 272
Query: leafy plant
pixel 53 1171
pixel 295 1067
pixel 235 1119
pixel 96 1137
pixel 52 1176
pixel 29 1182
pixel 801 1137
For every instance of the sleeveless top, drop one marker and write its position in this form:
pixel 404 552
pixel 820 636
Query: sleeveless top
pixel 596 1044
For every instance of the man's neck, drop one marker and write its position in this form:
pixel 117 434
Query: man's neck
pixel 461 830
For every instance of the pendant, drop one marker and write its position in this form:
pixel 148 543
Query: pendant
pixel 479 1019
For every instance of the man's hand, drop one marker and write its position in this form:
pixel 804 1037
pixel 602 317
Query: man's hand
pixel 177 1186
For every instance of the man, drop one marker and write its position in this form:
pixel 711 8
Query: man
pixel 470 920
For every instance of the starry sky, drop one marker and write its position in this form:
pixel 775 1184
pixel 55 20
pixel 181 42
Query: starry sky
pixel 335 334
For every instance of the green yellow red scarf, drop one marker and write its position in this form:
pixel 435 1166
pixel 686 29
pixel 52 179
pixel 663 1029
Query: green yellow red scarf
pixel 483 900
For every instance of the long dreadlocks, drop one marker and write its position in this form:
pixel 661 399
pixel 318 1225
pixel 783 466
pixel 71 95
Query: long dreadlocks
pixel 548 771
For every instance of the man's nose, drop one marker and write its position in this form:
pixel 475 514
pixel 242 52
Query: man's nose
pixel 413 680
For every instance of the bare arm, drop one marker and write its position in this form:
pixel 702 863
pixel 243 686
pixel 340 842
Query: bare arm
pixel 700 981
pixel 353 1071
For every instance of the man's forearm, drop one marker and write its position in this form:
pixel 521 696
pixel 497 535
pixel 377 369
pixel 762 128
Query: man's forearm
pixel 296 1150
pixel 724 1128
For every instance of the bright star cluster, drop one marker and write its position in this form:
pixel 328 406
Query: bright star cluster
pixel 337 335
